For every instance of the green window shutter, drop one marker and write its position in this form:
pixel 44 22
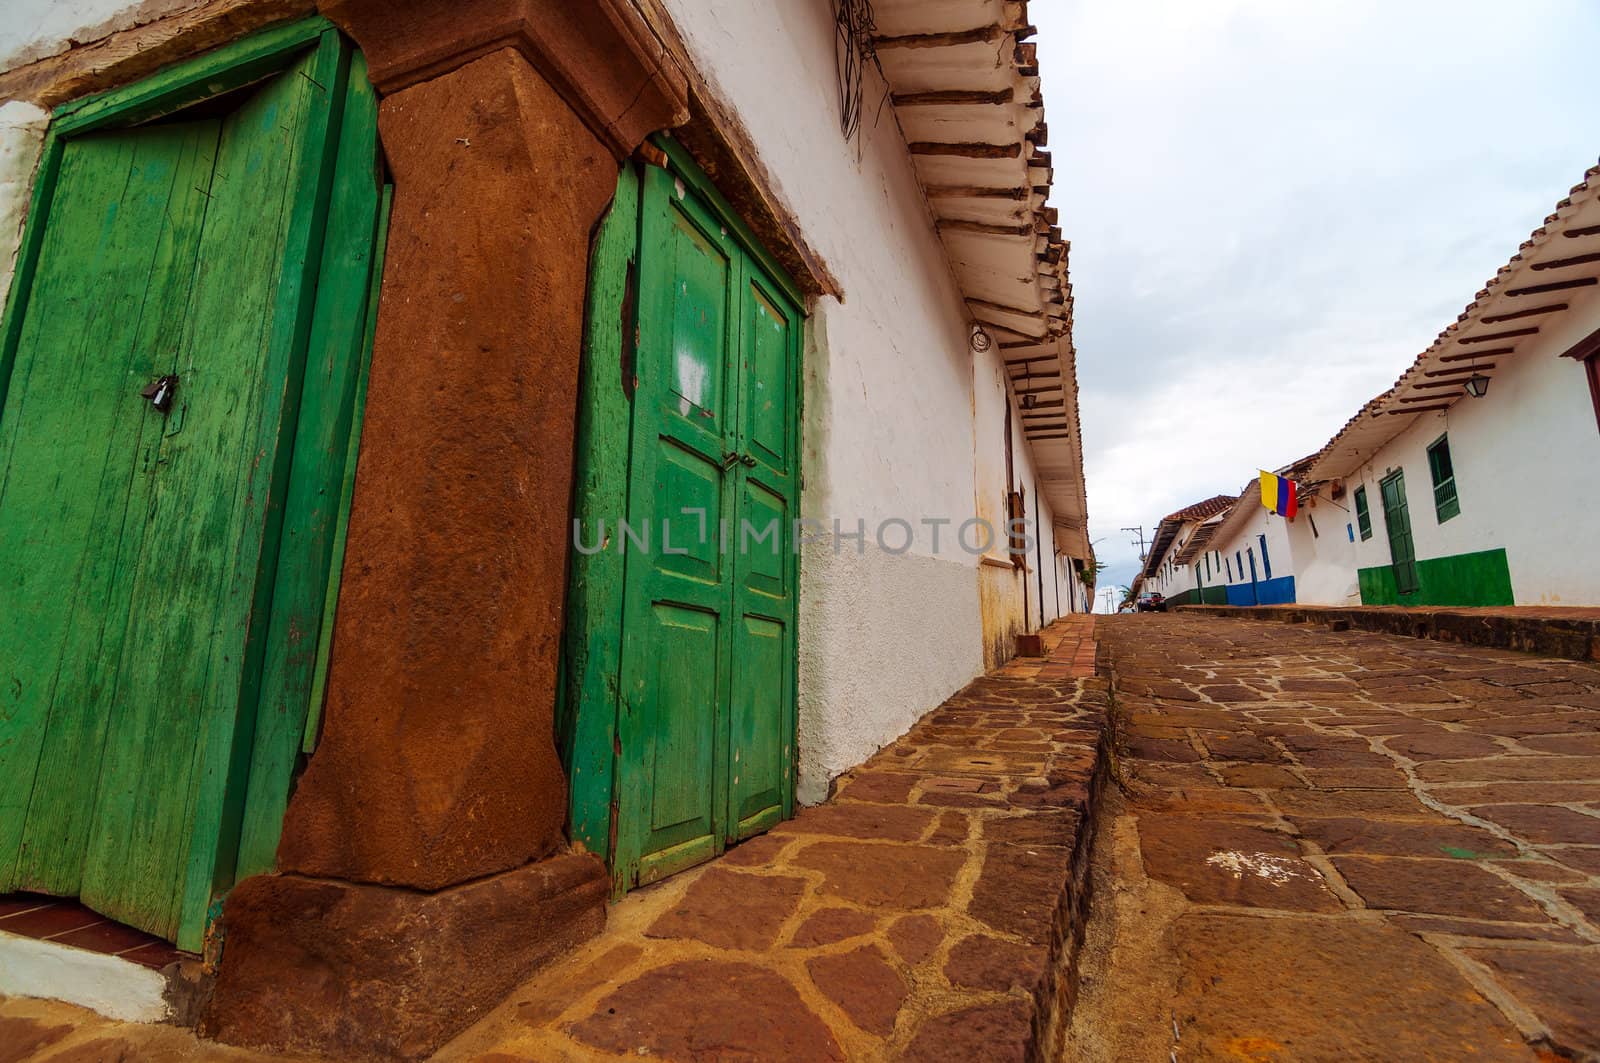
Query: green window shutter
pixel 1445 502
pixel 1363 514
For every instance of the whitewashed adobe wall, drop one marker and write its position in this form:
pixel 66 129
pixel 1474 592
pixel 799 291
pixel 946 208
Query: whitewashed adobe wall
pixel 1527 470
pixel 1181 577
pixel 1324 562
pixel 35 29
pixel 22 128
pixel 889 388
pixel 1238 545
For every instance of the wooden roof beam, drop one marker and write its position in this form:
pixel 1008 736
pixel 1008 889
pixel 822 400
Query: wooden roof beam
pixel 1509 334
pixel 964 225
pixel 1554 286
pixel 980 35
pixel 1017 192
pixel 967 150
pixel 953 97
pixel 1001 307
pixel 1563 263
pixel 1467 356
pixel 1532 311
pixel 1418 409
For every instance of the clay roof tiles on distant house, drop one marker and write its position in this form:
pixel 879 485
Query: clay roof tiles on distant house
pixel 1170 525
pixel 1202 510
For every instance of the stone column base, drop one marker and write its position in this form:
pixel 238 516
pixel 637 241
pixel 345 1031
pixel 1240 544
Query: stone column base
pixel 356 971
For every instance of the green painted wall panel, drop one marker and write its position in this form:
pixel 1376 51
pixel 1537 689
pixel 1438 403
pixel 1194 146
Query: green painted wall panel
pixel 1482 578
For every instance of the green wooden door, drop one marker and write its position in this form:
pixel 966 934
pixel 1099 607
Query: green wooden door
pixel 1397 521
pixel 706 720
pixel 139 545
pixel 765 564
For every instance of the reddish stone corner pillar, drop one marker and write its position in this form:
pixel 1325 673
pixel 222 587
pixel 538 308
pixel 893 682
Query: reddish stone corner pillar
pixel 437 762
pixel 436 793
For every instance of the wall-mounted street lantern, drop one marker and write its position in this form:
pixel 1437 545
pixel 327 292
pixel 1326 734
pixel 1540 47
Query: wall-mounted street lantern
pixel 1028 401
pixel 1477 385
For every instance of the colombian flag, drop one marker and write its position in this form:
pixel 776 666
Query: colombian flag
pixel 1280 494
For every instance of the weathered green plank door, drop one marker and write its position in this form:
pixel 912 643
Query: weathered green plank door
pixel 1397 521
pixel 138 544
pixel 707 672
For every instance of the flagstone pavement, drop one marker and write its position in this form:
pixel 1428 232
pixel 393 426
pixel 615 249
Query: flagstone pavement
pixel 929 911
pixel 1343 845
pixel 1322 845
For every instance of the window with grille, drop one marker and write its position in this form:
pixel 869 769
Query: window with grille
pixel 1363 514
pixel 1445 502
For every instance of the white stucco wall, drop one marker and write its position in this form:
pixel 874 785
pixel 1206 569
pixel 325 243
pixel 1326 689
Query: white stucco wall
pixel 1527 470
pixel 34 29
pixel 889 389
pixel 1169 578
pixel 22 128
pixel 1324 562
pixel 1244 540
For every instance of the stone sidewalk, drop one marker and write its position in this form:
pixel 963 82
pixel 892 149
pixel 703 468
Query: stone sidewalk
pixel 1549 630
pixel 1343 845
pixel 925 913
pixel 929 911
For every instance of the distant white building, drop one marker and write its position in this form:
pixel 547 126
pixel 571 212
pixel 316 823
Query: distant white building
pixel 1473 481
pixel 1168 569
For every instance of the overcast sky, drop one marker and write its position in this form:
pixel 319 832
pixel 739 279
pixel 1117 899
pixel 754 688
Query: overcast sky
pixel 1275 206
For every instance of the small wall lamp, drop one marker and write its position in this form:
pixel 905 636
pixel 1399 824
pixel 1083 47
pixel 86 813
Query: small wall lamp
pixel 1476 385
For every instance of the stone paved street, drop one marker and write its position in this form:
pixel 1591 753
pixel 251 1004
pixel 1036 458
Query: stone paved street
pixel 1343 845
pixel 1326 845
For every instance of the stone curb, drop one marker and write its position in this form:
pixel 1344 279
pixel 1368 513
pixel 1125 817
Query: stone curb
pixel 1575 638
pixel 1057 991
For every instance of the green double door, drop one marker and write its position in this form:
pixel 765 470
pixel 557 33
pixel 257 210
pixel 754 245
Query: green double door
pixel 707 678
pixel 157 463
pixel 1397 523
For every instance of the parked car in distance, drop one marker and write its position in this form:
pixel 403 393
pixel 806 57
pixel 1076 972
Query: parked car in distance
pixel 1152 603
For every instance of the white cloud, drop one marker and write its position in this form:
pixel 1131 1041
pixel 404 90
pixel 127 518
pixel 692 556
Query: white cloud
pixel 1273 207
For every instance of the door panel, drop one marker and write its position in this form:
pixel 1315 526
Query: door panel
pixel 760 790
pixel 760 712
pixel 78 456
pixel 143 543
pixel 182 667
pixel 681 742
pixel 1397 522
pixel 675 652
pixel 706 721
pixel 768 380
